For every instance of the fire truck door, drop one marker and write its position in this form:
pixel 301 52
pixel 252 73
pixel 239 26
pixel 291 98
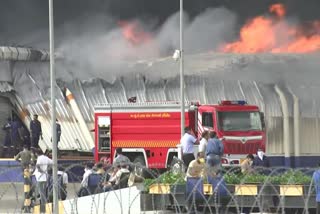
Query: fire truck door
pixel 104 133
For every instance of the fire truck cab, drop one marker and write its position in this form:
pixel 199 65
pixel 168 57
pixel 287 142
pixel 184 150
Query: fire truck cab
pixel 149 133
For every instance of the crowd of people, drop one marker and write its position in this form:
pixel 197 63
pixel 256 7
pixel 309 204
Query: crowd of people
pixel 211 151
pixel 23 146
pixel 37 170
pixel 104 178
pixel 99 178
pixel 17 135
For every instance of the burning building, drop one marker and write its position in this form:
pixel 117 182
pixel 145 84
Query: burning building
pixel 273 64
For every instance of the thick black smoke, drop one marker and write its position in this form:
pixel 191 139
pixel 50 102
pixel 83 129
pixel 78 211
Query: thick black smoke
pixel 26 22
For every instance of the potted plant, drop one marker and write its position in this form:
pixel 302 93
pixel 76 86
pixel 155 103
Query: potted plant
pixel 291 183
pixel 248 184
pixel 166 183
pixel 207 187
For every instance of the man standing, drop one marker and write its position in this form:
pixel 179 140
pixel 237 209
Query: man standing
pixel 203 143
pixel 187 142
pixel 120 159
pixel 316 181
pixel 41 174
pixel 85 178
pixel 58 131
pixel 25 157
pixel 36 131
pixel 58 135
pixel 261 160
pixel 214 151
pixel 62 189
pixel 25 136
pixel 15 135
pixel 7 138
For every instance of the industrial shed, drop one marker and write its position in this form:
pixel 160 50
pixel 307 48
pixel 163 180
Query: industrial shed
pixel 284 86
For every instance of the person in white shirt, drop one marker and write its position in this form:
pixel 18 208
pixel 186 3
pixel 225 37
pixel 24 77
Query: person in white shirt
pixel 87 171
pixel 84 183
pixel 115 178
pixel 187 141
pixel 203 143
pixel 63 189
pixel 41 174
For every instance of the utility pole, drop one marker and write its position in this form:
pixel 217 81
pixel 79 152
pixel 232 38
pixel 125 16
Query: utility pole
pixel 182 71
pixel 53 111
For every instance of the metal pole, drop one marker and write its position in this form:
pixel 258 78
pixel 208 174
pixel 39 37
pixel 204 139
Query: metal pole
pixel 181 70
pixel 53 111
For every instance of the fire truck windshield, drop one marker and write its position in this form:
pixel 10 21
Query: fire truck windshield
pixel 239 121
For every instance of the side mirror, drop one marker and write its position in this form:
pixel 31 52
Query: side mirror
pixel 263 124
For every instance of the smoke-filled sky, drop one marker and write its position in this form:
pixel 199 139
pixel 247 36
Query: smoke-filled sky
pixel 22 21
pixel 89 35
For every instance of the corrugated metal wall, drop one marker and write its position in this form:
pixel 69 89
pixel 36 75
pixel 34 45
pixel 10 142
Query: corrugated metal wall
pixel 31 85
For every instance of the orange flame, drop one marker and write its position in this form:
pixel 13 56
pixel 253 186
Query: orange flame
pixel 133 32
pixel 278 9
pixel 275 35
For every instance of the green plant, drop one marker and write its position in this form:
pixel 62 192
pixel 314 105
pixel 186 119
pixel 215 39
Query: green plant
pixel 291 177
pixel 147 183
pixel 171 178
pixel 254 178
pixel 166 178
pixel 232 178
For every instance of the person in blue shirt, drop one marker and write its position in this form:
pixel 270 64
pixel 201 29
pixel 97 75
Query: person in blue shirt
pixel 214 151
pixel 187 143
pixel 316 181
pixel 36 131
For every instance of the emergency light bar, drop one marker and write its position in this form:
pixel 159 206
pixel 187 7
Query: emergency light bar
pixel 233 102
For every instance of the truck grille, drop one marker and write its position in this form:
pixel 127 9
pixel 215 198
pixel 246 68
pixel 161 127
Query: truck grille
pixel 237 147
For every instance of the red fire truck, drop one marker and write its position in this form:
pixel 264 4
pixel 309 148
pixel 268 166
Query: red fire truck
pixel 149 133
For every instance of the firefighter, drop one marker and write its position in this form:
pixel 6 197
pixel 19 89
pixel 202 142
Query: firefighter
pixel 16 139
pixel 25 137
pixel 58 126
pixel 7 138
pixel 187 142
pixel 36 131
pixel 58 135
